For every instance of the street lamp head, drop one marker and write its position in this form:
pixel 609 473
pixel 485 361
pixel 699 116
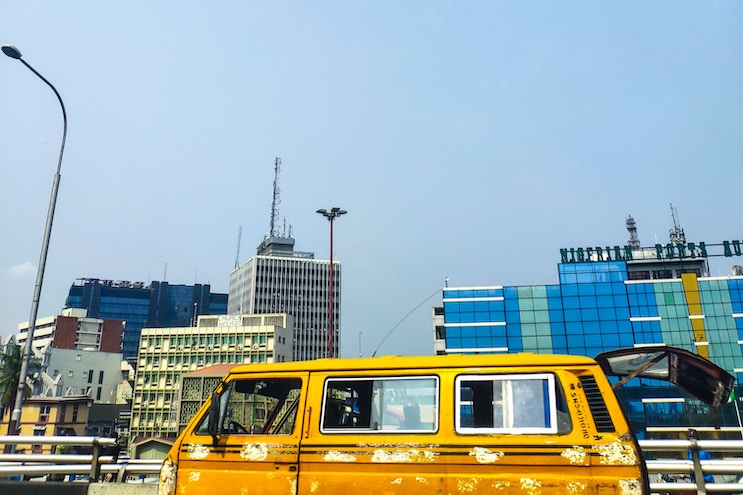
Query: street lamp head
pixel 12 52
pixel 332 214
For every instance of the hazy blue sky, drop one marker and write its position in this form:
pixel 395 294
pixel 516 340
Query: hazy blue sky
pixel 469 140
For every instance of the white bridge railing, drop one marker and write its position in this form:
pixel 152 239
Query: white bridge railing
pixel 96 466
pixel 670 458
pixel 664 457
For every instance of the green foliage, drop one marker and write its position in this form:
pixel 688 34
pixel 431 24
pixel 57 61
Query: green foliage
pixel 10 369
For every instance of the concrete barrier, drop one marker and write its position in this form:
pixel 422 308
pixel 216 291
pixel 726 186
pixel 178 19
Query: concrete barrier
pixel 68 488
pixel 122 489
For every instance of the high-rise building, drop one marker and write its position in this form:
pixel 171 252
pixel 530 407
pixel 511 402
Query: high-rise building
pixel 612 298
pixel 279 279
pixel 167 353
pixel 158 304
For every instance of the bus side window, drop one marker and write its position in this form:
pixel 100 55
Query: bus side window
pixel 511 403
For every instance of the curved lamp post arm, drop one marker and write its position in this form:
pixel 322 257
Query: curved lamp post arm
pixel 14 426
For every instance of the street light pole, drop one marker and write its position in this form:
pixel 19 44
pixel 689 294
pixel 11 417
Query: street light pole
pixel 15 417
pixel 331 215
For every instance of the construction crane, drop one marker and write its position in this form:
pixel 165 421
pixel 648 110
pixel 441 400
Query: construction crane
pixel 676 233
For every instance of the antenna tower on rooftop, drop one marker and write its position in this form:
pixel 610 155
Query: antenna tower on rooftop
pixel 273 226
pixel 634 241
pixel 239 238
pixel 676 233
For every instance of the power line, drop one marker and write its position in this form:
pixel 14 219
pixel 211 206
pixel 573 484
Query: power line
pixel 403 319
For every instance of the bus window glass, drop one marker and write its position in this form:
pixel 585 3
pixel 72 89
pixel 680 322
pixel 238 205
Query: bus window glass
pixel 257 407
pixel 513 403
pixel 380 405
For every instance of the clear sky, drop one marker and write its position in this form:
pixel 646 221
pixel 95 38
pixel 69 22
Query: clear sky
pixel 468 140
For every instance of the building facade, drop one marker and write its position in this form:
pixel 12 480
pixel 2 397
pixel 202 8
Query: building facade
pixel 605 303
pixel 73 329
pixel 158 304
pixel 167 353
pixel 46 416
pixel 279 279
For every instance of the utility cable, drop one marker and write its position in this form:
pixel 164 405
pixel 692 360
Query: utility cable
pixel 403 319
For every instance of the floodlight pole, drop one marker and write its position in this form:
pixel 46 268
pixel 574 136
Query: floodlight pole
pixel 331 215
pixel 15 417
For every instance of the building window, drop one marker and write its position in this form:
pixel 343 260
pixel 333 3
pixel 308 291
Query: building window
pixel 100 377
pixel 75 410
pixel 90 376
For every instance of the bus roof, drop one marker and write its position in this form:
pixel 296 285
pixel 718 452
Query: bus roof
pixel 418 362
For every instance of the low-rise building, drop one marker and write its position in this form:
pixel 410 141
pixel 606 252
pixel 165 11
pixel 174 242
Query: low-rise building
pixel 165 354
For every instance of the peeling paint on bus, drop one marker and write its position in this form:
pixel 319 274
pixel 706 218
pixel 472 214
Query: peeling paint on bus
pixel 485 456
pixel 575 454
pixel 254 451
pixel 336 456
pixel 197 451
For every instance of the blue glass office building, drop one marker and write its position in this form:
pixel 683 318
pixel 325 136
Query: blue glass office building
pixel 157 305
pixel 599 306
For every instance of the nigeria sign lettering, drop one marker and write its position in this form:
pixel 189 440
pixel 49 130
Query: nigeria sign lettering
pixel 659 252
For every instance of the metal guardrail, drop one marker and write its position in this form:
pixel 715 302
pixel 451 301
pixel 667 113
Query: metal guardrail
pixel 95 466
pixel 727 466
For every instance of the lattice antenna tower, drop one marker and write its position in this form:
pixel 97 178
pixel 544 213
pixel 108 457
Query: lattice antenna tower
pixel 676 233
pixel 273 226
pixel 239 238
pixel 634 241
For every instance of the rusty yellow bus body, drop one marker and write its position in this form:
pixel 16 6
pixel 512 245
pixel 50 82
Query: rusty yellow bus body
pixel 523 424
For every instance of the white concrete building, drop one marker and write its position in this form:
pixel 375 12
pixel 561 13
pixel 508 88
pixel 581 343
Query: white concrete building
pixel 279 279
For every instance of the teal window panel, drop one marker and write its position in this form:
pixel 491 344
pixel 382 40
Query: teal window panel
pixel 543 330
pixel 542 316
pixel 541 304
pixel 529 342
pixel 527 317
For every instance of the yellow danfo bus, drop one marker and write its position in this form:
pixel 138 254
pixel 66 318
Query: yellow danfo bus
pixel 530 424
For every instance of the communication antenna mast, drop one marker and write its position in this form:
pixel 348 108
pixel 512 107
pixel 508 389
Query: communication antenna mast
pixel 634 241
pixel 273 226
pixel 676 233
pixel 239 238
